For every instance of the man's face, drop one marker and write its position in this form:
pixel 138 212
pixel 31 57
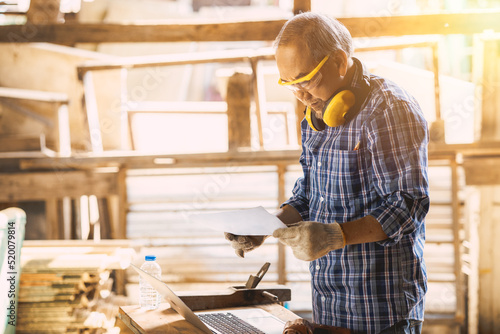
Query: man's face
pixel 294 62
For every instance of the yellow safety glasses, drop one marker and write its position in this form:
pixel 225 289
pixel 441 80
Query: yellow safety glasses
pixel 307 82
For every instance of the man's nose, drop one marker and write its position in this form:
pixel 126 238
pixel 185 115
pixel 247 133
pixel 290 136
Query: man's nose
pixel 303 95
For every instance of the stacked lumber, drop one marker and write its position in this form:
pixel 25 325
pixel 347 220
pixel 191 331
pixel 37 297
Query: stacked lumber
pixel 68 289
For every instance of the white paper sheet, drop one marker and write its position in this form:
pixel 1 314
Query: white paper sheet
pixel 255 221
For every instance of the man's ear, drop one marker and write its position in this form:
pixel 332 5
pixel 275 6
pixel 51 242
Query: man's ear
pixel 341 61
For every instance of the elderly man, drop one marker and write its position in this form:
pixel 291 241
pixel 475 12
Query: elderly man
pixel 357 214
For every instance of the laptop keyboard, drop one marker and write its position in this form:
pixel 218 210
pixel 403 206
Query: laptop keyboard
pixel 228 323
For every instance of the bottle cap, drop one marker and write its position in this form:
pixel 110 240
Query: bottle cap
pixel 150 257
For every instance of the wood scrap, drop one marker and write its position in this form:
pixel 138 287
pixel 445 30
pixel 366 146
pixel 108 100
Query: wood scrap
pixel 67 289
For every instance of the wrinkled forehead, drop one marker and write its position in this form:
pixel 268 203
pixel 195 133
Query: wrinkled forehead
pixel 294 61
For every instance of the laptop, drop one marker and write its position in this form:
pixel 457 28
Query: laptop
pixel 251 320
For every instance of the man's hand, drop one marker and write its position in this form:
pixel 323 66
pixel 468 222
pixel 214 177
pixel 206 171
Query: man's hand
pixel 302 326
pixel 298 326
pixel 311 240
pixel 244 243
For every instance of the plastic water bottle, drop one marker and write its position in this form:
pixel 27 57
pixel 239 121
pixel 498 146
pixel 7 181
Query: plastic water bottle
pixel 149 298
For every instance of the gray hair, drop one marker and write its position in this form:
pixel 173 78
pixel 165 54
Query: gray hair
pixel 321 34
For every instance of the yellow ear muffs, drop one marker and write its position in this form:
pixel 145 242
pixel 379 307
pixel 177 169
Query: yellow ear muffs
pixel 338 106
pixel 335 110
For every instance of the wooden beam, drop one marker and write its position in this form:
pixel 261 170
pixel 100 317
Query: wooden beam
pixel 486 68
pixel 52 218
pixel 482 171
pixel 140 161
pixel 193 58
pixel 430 24
pixel 491 148
pixel 34 95
pixel 43 11
pixel 56 184
pixel 282 197
pixel 260 98
pixel 133 160
pixel 239 91
pixel 122 207
pixel 71 33
pixel 92 113
pixel 301 6
pixel 457 245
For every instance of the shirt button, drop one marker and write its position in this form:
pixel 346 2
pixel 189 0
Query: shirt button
pixel 323 298
pixel 317 267
pixel 319 163
pixel 321 199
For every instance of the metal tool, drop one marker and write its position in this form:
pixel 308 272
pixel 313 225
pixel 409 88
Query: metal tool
pixel 253 281
pixel 270 296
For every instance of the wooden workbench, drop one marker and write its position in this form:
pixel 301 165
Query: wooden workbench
pixel 166 320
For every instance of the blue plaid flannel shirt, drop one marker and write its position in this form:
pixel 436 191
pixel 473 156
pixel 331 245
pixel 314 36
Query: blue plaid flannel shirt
pixel 369 287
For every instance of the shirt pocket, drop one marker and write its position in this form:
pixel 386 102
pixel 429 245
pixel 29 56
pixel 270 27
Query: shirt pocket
pixel 346 176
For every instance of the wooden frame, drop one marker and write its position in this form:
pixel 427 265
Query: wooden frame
pixel 254 57
pixel 58 183
pixel 62 117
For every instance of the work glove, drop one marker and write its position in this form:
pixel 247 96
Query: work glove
pixel 302 326
pixel 311 240
pixel 244 243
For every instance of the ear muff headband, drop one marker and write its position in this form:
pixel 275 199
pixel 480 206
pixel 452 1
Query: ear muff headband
pixel 335 110
pixel 309 119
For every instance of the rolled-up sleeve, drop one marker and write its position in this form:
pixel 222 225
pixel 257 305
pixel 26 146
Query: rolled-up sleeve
pixel 397 141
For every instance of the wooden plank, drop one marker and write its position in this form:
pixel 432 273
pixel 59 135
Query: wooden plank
pixel 301 6
pixel 166 320
pixel 131 160
pixel 482 171
pixel 486 279
pixel 495 220
pixel 122 208
pixel 66 217
pixel 437 128
pixel 26 112
pixel 259 93
pixel 192 58
pixel 71 33
pixel 137 161
pixel 52 218
pixel 92 113
pixel 299 116
pixel 126 136
pixel 174 107
pixel 239 91
pixel 447 151
pixel 52 185
pixel 282 273
pixel 20 144
pixel 490 122
pixel 63 127
pixel 43 11
pixel 472 219
pixel 435 67
pixel 34 95
pixel 457 245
